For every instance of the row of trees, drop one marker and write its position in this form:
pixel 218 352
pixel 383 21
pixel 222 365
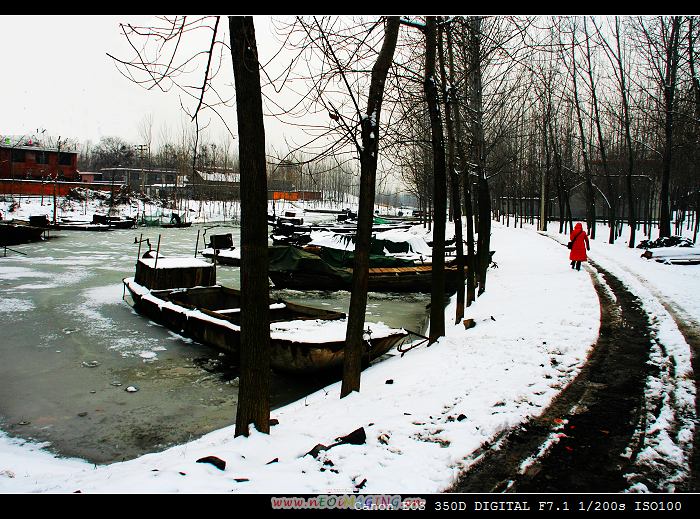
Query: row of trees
pixel 470 112
pixel 338 182
pixel 599 111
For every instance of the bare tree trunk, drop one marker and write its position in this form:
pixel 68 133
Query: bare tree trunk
pixel 590 193
pixel 612 192
pixel 450 109
pixel 437 299
pixel 669 91
pixel 696 126
pixel 354 342
pixel 484 199
pixel 468 211
pixel 631 212
pixel 254 390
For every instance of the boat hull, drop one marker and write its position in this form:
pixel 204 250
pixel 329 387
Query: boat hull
pixel 213 329
pixel 17 233
pixel 416 280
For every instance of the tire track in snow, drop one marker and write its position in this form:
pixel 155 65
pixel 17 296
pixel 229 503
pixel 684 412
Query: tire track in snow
pixel 579 442
pixel 690 330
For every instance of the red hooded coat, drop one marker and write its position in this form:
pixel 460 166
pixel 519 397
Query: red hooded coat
pixel 580 239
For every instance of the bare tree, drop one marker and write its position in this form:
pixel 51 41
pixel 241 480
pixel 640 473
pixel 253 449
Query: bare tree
pixel 163 70
pixel 369 151
pixel 662 42
pixel 335 91
pixel 437 299
pixel 254 389
pixel 451 112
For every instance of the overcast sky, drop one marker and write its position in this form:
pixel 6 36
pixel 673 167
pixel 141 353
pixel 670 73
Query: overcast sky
pixel 57 76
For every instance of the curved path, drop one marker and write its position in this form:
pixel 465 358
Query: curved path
pixel 587 439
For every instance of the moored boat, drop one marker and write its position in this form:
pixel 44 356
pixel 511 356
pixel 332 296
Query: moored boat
pixel 69 225
pixel 176 222
pixel 221 250
pixel 302 339
pixel 298 269
pixel 117 222
pixel 15 232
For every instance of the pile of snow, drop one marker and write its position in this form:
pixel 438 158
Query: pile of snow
pixel 175 262
pixel 416 244
pixel 332 240
pixel 312 331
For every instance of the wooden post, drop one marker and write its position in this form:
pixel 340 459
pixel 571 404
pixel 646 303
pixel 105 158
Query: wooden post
pixel 138 254
pixel 155 264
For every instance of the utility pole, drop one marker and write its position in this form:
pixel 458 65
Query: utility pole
pixel 55 181
pixel 141 148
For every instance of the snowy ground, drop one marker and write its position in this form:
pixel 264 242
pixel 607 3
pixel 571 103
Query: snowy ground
pixel 423 413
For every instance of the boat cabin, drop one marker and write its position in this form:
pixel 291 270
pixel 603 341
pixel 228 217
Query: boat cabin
pixel 162 273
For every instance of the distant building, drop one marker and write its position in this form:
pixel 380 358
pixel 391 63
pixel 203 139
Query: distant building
pixel 133 178
pixel 217 183
pixel 294 196
pixel 26 159
pixel 285 176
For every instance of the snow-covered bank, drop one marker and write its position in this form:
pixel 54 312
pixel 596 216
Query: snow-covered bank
pixel 423 413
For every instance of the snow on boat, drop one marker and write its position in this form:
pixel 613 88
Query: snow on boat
pixel 302 339
pixel 66 224
pixel 674 255
pixel 231 256
pixel 118 222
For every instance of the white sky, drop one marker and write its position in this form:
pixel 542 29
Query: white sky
pixel 57 76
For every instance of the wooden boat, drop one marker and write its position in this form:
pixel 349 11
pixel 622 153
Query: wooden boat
pixel 15 232
pixel 76 225
pixel 302 339
pixel 287 229
pixel 176 225
pixel 297 269
pixel 176 222
pixel 157 221
pixel 674 255
pixel 221 250
pixel 117 222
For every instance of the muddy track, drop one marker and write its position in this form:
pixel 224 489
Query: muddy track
pixel 591 423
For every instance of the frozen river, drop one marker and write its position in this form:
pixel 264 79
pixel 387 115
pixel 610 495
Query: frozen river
pixel 70 346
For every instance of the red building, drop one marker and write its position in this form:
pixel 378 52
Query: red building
pixel 30 161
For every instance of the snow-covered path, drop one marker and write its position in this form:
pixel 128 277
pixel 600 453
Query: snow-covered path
pixel 668 294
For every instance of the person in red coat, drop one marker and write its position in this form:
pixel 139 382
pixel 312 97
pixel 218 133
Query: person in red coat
pixel 579 246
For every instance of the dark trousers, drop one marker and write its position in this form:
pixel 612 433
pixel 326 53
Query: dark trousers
pixel 576 265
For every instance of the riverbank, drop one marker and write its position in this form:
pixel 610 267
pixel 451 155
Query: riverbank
pixel 426 416
pixel 422 414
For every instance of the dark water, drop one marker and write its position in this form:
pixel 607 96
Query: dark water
pixel 70 346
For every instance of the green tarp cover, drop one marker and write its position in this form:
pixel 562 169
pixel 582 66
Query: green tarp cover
pixel 285 259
